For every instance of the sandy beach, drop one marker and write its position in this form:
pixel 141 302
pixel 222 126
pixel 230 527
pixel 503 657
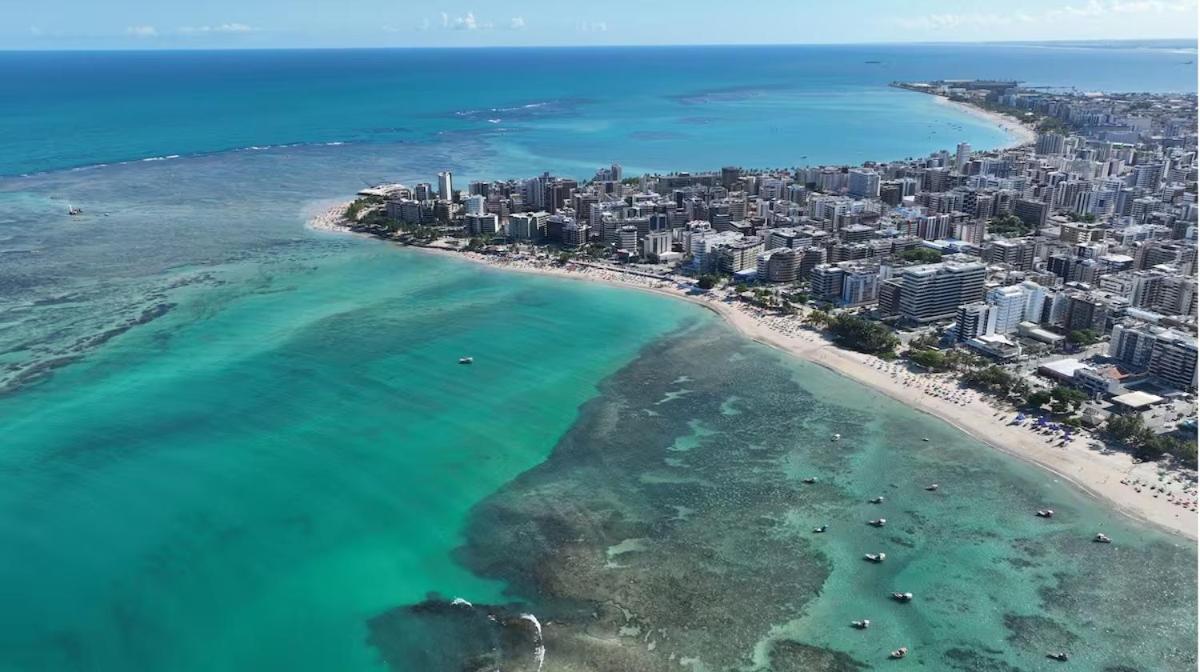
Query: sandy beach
pixel 1021 134
pixel 1143 491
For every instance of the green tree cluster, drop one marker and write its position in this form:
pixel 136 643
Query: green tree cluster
pixel 995 380
pixel 1009 226
pixel 1131 431
pixel 861 334
pixel 924 255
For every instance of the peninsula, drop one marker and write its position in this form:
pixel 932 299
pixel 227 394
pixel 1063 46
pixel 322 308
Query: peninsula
pixel 1040 297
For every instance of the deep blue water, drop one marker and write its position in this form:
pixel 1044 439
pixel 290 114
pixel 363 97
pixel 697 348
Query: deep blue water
pixel 567 109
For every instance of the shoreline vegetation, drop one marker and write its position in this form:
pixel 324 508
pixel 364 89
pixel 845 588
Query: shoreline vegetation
pixel 1109 475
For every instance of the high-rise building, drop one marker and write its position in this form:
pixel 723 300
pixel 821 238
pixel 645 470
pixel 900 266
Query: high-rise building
pixel 1007 309
pixel 529 226
pixel 738 256
pixel 778 265
pixel 1050 143
pixel 935 291
pixel 860 285
pixel 656 244
pixel 962 155
pixel 627 238
pixel 445 186
pixel 826 281
pixel 476 205
pixel 1131 344
pixel 970 321
pixel 1017 253
pixel 863 183
pixel 1085 312
pixel 1173 360
pixel 482 224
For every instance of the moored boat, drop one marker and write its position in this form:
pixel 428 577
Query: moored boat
pixel 876 500
pixel 898 653
pixel 820 530
pixel 932 487
pixel 861 625
pixel 875 557
pixel 1045 513
pixel 1060 656
pixel 1102 538
pixel 902 597
pixel 466 360
pixel 878 522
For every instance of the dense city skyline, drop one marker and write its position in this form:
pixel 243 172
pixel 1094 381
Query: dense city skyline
pixel 137 24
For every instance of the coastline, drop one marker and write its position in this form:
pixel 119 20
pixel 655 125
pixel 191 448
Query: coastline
pixel 1104 476
pixel 1020 134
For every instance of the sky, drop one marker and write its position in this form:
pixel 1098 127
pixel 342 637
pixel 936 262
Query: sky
pixel 181 24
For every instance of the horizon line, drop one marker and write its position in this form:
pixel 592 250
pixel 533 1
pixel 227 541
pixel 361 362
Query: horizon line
pixel 1079 41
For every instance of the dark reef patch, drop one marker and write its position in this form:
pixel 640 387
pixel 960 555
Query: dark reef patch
pixel 440 635
pixel 788 656
pixel 593 541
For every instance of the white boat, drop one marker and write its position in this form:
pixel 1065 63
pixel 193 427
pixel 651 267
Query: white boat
pixel 821 529
pixel 877 500
pixel 899 653
pixel 902 597
pixel 1045 513
pixel 72 210
pixel 861 625
pixel 875 557
pixel 878 522
pixel 1060 656
pixel 925 439
pixel 1102 538
pixel 466 360
pixel 931 487
pixel 810 480
pixel 836 437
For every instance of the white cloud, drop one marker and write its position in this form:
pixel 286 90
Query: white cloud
pixel 1092 9
pixel 465 22
pixel 142 31
pixel 35 31
pixel 517 23
pixel 592 26
pixel 222 28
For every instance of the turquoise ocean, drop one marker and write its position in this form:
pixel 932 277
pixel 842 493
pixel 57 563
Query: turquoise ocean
pixel 228 442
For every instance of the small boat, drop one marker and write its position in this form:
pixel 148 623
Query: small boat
pixel 876 500
pixel 810 480
pixel 861 625
pixel 836 437
pixel 902 597
pixel 898 653
pixel 466 360
pixel 925 439
pixel 932 487
pixel 875 557
pixel 878 522
pixel 1045 513
pixel 820 530
pixel 72 210
pixel 1060 656
pixel 1102 538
